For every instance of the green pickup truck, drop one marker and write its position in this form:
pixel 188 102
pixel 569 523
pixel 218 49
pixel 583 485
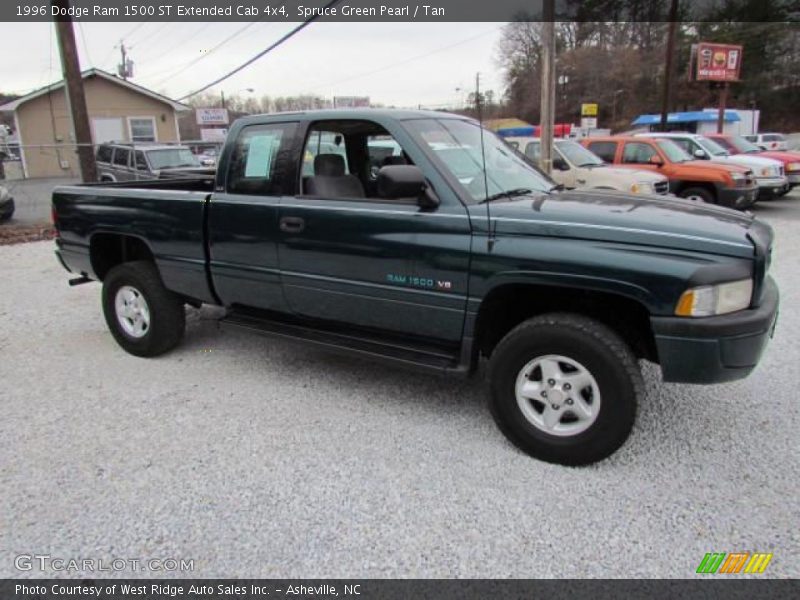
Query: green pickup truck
pixel 421 239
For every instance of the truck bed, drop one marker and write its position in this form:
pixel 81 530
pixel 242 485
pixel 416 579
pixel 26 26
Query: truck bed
pixel 167 218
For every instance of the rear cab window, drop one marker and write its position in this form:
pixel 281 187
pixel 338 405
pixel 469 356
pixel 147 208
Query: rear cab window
pixel 259 159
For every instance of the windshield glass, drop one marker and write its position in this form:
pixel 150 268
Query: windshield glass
pixel 742 145
pixel 457 145
pixel 169 158
pixel 578 155
pixel 673 152
pixel 712 147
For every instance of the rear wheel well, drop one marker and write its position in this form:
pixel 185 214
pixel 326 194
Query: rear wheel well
pixel 509 305
pixel 109 250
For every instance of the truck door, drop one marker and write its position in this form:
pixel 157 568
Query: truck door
pixel 349 256
pixel 243 215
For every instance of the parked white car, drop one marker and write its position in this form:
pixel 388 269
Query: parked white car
pixel 576 167
pixel 768 173
pixel 768 141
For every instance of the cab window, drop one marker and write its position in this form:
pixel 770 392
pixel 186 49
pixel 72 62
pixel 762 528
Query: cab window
pixel 637 153
pixel 605 150
pixel 121 157
pixel 141 161
pixel 258 159
pixel 343 159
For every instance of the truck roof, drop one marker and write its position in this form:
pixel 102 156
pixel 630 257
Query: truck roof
pixel 354 113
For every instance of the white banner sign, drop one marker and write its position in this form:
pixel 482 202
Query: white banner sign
pixel 213 134
pixel 212 116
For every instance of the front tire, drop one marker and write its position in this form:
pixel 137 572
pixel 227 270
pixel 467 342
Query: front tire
pixel 698 194
pixel 144 317
pixel 564 388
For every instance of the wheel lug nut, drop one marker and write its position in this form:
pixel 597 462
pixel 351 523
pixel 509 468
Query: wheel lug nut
pixel 569 401
pixel 554 406
pixel 551 382
pixel 544 393
pixel 567 386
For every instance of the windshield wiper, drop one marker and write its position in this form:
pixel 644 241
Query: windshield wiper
pixel 592 164
pixel 506 194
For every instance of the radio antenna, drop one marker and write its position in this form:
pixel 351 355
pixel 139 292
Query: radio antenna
pixel 478 106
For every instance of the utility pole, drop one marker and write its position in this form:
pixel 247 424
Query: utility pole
pixel 222 97
pixel 123 68
pixel 73 84
pixel 665 95
pixel 723 100
pixel 548 85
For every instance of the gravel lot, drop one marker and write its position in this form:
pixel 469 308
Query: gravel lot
pixel 261 458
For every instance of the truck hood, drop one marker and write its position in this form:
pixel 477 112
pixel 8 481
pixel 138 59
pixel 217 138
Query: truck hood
pixel 624 218
pixel 756 163
pixel 627 175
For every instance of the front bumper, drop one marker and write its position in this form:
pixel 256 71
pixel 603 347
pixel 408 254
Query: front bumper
pixel 737 197
pixel 770 187
pixel 794 178
pixel 716 349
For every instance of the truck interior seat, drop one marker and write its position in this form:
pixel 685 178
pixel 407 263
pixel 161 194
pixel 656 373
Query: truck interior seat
pixel 330 180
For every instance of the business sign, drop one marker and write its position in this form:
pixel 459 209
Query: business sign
pixel 717 62
pixel 213 134
pixel 588 122
pixel 589 110
pixel 351 101
pixel 212 116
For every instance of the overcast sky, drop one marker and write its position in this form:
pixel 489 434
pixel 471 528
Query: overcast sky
pixel 403 64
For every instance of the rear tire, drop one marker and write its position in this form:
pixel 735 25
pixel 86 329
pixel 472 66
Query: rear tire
pixel 698 194
pixel 144 317
pixel 564 388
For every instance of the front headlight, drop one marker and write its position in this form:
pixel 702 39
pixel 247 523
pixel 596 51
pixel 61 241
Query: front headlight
pixel 738 178
pixel 769 171
pixel 719 299
pixel 642 187
pixel 793 166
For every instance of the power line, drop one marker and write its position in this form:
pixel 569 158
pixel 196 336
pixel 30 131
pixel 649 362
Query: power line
pixel 194 61
pixel 408 60
pixel 136 28
pixel 268 49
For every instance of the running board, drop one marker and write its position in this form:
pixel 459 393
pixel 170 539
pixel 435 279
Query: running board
pixel 402 353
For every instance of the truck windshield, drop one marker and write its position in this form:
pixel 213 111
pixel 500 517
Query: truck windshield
pixel 578 155
pixel 712 147
pixel 742 145
pixel 457 145
pixel 170 158
pixel 673 152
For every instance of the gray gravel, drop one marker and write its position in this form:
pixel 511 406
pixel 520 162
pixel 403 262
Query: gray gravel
pixel 256 457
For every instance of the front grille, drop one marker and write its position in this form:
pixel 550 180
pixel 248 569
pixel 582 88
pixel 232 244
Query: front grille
pixel 662 187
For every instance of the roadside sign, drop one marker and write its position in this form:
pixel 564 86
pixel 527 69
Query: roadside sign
pixel 717 62
pixel 589 109
pixel 351 101
pixel 588 122
pixel 213 134
pixel 212 116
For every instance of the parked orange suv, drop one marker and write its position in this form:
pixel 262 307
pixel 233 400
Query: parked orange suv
pixel 702 180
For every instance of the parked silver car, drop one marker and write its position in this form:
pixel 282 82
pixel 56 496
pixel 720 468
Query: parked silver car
pixel 6 204
pixel 126 162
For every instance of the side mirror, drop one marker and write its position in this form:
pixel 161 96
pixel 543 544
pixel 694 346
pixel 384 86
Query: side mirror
pixel 405 181
pixel 700 154
pixel 656 160
pixel 559 164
